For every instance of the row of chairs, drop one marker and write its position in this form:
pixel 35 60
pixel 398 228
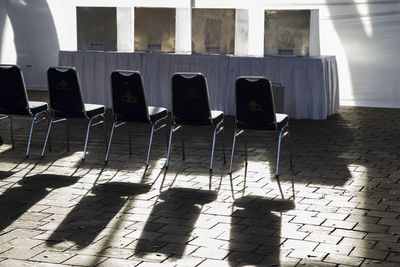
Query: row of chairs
pixel 255 109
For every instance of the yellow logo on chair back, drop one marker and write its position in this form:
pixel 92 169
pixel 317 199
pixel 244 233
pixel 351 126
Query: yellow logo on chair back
pixel 191 93
pixel 64 85
pixel 129 98
pixel 254 106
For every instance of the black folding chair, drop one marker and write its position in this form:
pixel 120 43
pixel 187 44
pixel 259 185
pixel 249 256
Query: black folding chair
pixel 14 100
pixel 66 102
pixel 255 111
pixel 191 106
pixel 129 105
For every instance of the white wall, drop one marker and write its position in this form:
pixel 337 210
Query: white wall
pixel 362 34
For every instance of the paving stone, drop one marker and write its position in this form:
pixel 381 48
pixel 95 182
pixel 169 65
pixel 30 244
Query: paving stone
pixel 315 263
pixel 369 253
pixel 121 253
pixel 375 228
pixel 52 256
pixel 207 242
pixel 389 246
pixel 339 224
pixel 245 258
pixel 112 262
pixel 22 263
pixel 308 220
pixel 346 211
pixel 20 253
pixel 25 243
pixel 212 263
pixel 334 249
pixel 382 237
pixel 85 260
pixel 284 262
pixel 210 253
pixel 353 242
pixel 376 263
pixel 323 238
pixel 342 259
pixel 155 257
pixel 185 262
pixel 307 254
pixel 152 264
pixel 299 244
pixel 394 257
pixel 348 233
pixel 177 250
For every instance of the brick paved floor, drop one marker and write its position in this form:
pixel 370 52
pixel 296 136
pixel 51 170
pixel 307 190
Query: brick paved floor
pixel 60 211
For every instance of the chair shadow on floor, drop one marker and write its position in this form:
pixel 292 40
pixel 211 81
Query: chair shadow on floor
pixel 5 175
pixel 175 214
pixel 15 201
pixel 322 150
pixel 93 213
pixel 256 237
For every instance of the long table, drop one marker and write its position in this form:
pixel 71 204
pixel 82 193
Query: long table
pixel 311 83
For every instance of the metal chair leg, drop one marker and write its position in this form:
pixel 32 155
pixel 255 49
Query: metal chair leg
pixel 280 188
pixel 151 140
pixel 171 131
pixel 109 142
pixel 290 148
pixel 30 136
pixel 233 150
pixel 223 143
pixel 48 124
pixel 67 122
pixel 183 145
pixel 47 137
pixel 87 138
pixel 130 139
pixel 279 150
pixel 105 133
pixel 212 149
pixel 12 132
pixel 245 146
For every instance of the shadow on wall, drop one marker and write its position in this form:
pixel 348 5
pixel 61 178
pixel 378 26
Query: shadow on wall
pixel 369 34
pixel 35 38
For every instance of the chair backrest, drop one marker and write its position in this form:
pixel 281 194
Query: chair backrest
pixel 255 107
pixel 190 101
pixel 129 100
pixel 65 92
pixel 13 99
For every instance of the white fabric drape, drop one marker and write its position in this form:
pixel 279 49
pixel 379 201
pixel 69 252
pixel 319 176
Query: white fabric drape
pixel 311 83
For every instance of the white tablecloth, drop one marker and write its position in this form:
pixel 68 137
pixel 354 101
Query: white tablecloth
pixel 311 83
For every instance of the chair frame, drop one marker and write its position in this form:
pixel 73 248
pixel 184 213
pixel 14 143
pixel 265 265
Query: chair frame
pixel 35 118
pixel 175 127
pixel 116 124
pixel 283 132
pixel 100 117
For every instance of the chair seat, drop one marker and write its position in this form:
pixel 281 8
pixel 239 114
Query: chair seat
pixel 157 113
pixel 34 106
pixel 37 106
pixel 216 117
pixel 281 121
pixel 94 109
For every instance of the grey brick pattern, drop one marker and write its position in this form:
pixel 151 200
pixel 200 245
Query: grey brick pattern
pixel 60 211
